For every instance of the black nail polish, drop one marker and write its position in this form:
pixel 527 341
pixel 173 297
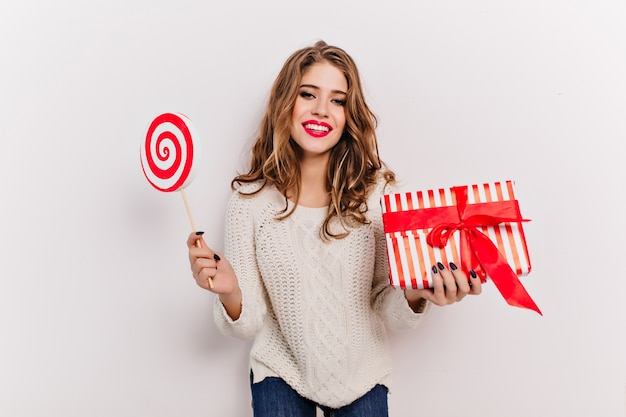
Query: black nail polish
pixel 199 233
pixel 435 270
pixel 216 257
pixel 440 265
pixel 473 274
pixel 453 266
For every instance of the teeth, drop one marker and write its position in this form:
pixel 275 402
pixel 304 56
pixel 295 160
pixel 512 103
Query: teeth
pixel 316 127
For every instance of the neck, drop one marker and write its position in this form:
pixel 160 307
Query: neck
pixel 313 192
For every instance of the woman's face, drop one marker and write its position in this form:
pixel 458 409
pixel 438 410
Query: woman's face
pixel 318 118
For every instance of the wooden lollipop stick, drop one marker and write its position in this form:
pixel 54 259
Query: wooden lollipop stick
pixel 193 225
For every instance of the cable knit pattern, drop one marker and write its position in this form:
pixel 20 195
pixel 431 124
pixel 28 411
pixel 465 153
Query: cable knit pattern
pixel 316 309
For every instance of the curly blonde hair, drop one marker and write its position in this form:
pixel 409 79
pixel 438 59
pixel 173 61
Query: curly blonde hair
pixel 354 162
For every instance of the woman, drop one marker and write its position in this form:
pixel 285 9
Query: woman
pixel 305 272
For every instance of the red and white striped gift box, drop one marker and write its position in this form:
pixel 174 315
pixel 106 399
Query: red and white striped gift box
pixel 411 257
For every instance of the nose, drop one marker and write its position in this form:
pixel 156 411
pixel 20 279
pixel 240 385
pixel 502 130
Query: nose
pixel 320 108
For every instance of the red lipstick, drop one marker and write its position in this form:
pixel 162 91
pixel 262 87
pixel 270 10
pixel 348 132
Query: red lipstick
pixel 317 129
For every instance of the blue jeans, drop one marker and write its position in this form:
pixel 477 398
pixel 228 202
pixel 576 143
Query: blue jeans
pixel 272 397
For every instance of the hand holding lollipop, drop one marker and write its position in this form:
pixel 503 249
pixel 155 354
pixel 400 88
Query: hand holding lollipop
pixel 169 154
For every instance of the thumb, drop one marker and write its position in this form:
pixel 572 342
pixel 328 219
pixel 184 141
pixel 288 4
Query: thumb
pixel 200 240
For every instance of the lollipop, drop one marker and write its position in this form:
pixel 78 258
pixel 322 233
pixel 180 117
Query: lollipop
pixel 169 154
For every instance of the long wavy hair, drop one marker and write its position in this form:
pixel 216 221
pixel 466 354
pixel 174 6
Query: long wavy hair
pixel 354 162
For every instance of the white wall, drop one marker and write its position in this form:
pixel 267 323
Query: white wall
pixel 99 315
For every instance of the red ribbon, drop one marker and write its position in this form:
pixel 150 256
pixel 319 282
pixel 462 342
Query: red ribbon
pixel 477 251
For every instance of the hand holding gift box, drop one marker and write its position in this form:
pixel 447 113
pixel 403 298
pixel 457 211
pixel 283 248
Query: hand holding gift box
pixel 478 227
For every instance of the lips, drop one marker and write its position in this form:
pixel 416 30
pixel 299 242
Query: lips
pixel 316 129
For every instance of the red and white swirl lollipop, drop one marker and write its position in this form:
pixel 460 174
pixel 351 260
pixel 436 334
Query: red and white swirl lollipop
pixel 170 152
pixel 169 155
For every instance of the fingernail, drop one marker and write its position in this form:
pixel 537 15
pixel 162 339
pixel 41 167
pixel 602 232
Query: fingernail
pixel 453 266
pixel 199 233
pixel 440 265
pixel 216 257
pixel 473 274
pixel 435 270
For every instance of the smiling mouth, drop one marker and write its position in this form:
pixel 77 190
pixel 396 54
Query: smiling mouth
pixel 316 129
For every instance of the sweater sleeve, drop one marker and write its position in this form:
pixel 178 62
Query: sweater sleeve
pixel 389 302
pixel 239 243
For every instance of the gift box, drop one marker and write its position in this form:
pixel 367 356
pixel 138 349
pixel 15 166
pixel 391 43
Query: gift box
pixel 478 227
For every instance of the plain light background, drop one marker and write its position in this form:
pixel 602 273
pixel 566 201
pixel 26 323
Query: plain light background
pixel 99 315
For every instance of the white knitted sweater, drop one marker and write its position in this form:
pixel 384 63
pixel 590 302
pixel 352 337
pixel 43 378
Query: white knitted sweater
pixel 316 309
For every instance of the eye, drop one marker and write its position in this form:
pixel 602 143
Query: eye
pixel 339 102
pixel 306 94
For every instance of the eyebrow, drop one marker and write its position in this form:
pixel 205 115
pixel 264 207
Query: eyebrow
pixel 317 88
